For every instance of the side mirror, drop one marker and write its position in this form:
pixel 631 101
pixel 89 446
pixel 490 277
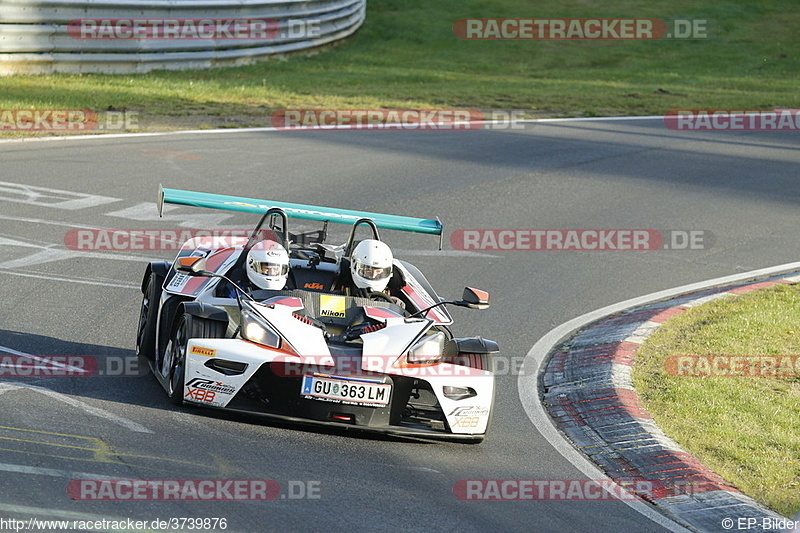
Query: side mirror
pixel 474 299
pixel 192 265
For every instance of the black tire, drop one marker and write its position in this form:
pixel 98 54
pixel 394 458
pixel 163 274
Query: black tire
pixel 146 331
pixel 187 327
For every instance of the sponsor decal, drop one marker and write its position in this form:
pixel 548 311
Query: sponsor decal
pixel 314 286
pixel 467 422
pixel 331 305
pixel 206 390
pixel 468 416
pixel 297 210
pixel 211 385
pixel 470 411
pixel 178 282
pixel 200 395
pixel 202 350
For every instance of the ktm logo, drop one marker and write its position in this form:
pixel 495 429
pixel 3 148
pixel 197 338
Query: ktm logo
pixel 316 286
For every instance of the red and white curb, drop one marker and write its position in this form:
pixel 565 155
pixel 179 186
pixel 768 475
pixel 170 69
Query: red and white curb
pixel 586 389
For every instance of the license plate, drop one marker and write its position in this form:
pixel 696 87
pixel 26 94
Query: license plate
pixel 371 393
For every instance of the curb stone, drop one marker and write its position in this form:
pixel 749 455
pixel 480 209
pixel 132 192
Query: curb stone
pixel 587 390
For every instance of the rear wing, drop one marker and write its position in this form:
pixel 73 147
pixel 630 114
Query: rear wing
pixel 307 212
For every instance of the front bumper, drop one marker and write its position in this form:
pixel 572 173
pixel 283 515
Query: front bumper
pixel 256 380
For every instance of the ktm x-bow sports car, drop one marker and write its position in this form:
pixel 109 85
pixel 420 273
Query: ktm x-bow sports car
pixel 313 351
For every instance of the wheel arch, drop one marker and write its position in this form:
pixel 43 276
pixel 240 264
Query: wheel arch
pixel 160 268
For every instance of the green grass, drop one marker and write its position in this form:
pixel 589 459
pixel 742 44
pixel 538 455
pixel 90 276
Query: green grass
pixel 406 55
pixel 746 429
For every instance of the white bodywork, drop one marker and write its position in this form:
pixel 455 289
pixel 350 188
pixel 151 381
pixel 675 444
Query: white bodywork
pixel 383 352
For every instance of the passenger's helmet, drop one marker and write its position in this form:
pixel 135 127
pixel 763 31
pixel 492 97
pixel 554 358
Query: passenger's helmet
pixel 371 265
pixel 268 265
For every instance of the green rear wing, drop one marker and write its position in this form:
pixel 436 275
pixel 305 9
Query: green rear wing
pixel 301 211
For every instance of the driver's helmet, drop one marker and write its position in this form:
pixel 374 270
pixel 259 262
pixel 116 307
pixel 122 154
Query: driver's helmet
pixel 371 265
pixel 268 265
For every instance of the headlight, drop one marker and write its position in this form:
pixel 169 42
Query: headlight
pixel 254 329
pixel 427 350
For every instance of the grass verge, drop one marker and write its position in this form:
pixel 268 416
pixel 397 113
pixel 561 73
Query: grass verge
pixel 406 56
pixel 746 429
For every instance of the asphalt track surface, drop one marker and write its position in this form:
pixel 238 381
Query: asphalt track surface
pixel 740 188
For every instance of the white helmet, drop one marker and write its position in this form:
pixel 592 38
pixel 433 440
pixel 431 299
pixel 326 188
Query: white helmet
pixel 268 265
pixel 371 265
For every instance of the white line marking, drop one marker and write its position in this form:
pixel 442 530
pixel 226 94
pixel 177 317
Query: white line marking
pixel 50 222
pixel 92 410
pixel 47 197
pixel 12 351
pixel 270 128
pixel 50 253
pixel 146 212
pixel 6 241
pixel 527 382
pixel 49 277
pixel 445 253
pixel 38 359
pixel 590 119
pixel 52 472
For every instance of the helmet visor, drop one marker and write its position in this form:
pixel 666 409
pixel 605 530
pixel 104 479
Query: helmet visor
pixel 373 273
pixel 266 268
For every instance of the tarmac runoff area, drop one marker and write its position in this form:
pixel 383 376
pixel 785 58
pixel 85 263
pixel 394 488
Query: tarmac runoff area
pixel 586 389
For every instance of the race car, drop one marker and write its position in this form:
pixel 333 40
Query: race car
pixel 311 352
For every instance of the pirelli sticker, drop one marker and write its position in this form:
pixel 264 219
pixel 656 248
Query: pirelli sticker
pixel 202 350
pixel 332 305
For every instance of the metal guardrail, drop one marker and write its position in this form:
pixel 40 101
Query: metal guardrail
pixel 44 36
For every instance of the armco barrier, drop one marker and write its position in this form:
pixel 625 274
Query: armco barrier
pixel 35 37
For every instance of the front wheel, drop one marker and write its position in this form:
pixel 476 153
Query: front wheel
pixel 174 363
